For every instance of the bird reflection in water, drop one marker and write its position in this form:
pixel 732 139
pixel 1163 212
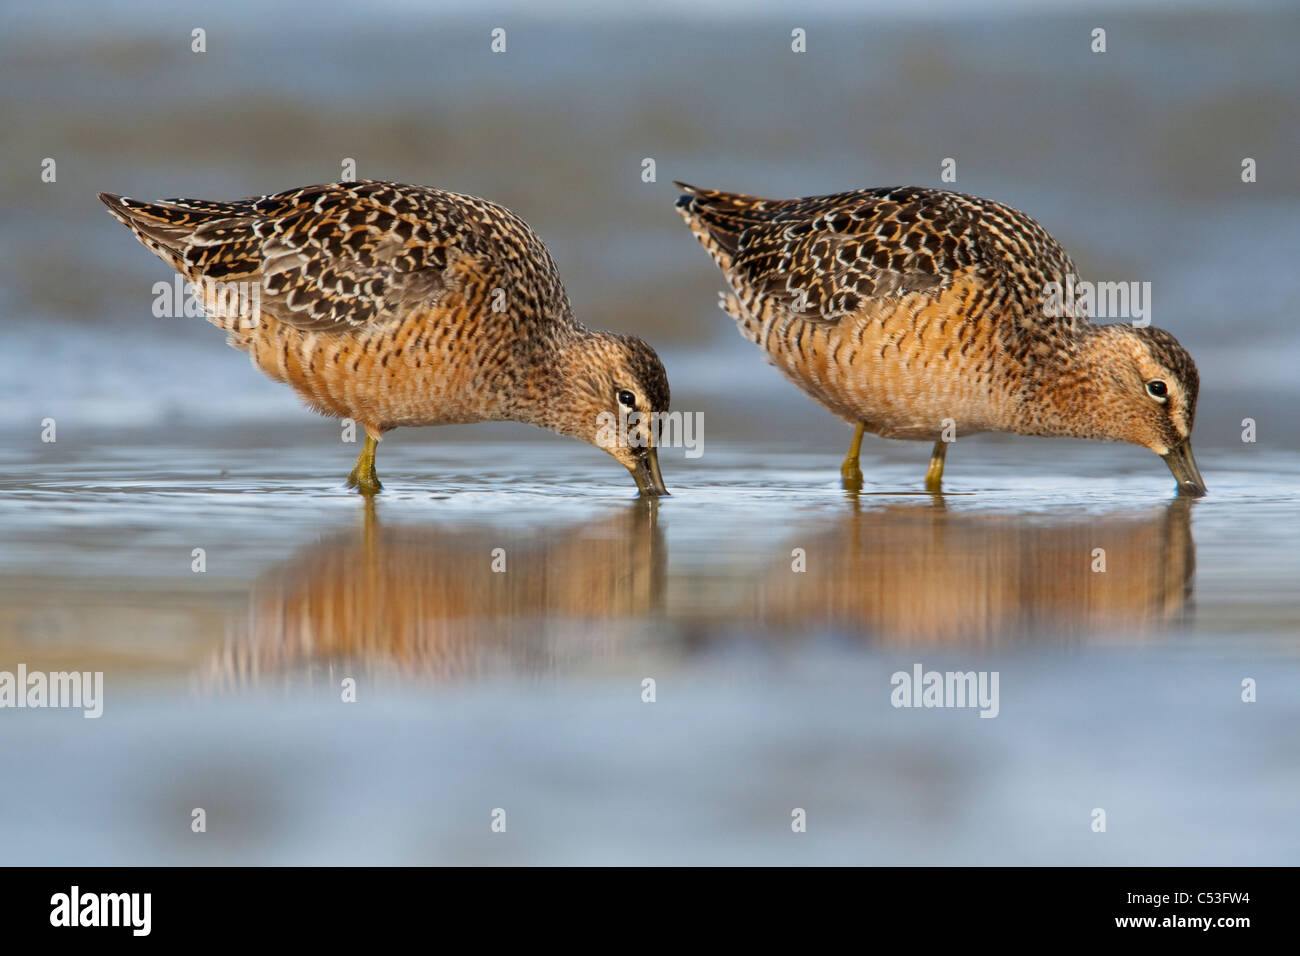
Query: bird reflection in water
pixel 924 574
pixel 433 603
pixel 425 602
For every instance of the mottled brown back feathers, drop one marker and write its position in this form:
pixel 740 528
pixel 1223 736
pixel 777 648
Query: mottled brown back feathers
pixel 825 257
pixel 349 254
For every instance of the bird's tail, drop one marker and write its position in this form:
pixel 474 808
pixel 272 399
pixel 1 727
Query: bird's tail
pixel 719 218
pixel 196 237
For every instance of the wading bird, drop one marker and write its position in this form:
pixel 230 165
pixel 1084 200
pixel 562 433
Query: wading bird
pixel 401 305
pixel 920 314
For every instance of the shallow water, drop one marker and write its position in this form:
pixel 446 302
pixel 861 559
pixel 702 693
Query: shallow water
pixel 522 690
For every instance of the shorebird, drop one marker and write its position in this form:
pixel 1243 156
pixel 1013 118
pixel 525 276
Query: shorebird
pixel 924 314
pixel 401 305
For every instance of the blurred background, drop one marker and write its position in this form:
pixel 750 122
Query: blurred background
pixel 523 690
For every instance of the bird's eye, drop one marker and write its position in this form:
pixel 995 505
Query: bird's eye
pixel 1157 389
pixel 627 398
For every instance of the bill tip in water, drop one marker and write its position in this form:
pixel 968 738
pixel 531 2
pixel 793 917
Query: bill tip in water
pixel 649 480
pixel 1182 465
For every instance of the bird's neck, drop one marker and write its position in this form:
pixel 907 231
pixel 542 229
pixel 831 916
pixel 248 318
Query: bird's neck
pixel 558 383
pixel 1065 394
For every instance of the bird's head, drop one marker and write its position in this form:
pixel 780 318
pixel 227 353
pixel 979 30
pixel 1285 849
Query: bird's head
pixel 1148 385
pixel 611 389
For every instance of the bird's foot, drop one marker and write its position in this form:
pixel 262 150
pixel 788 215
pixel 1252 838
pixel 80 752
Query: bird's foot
pixel 934 474
pixel 851 476
pixel 363 477
pixel 365 482
pixel 850 473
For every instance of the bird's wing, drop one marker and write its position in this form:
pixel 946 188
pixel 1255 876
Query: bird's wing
pixel 860 252
pixel 346 255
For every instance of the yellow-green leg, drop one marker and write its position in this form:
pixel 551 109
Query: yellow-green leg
pixel 934 474
pixel 363 477
pixel 850 472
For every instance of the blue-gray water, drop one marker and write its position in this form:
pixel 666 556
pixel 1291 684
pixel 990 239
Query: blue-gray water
pixel 522 690
pixel 1120 689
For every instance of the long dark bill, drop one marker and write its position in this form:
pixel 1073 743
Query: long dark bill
pixel 1183 466
pixel 649 480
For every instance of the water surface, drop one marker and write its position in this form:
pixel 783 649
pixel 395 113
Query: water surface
pixel 523 689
